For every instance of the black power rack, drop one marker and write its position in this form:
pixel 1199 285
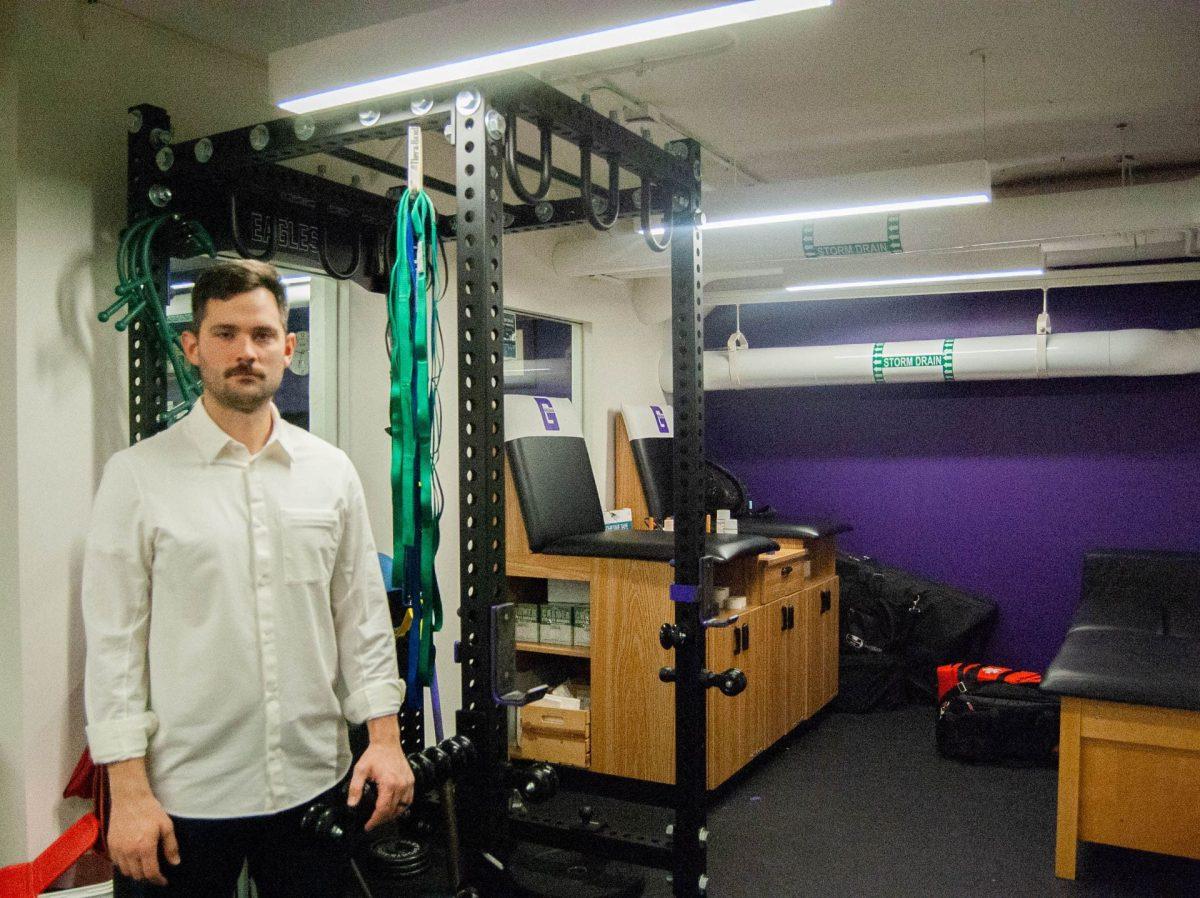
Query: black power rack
pixel 235 185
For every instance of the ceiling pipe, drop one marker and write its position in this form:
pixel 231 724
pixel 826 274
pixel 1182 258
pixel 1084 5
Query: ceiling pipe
pixel 1014 221
pixel 1132 353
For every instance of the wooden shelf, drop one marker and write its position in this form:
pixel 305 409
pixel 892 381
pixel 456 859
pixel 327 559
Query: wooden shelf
pixel 571 651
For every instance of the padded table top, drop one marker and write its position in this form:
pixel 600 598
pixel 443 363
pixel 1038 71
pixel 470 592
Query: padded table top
pixel 794 528
pixel 1127 666
pixel 655 545
pixel 1136 635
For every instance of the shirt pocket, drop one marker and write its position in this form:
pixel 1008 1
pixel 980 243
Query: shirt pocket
pixel 309 544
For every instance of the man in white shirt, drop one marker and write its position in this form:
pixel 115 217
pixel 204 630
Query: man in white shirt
pixel 236 618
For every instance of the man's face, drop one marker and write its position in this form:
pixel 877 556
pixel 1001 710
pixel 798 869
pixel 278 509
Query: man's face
pixel 241 349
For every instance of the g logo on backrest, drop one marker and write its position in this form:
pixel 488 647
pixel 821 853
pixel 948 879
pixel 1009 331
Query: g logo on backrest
pixel 549 416
pixel 661 420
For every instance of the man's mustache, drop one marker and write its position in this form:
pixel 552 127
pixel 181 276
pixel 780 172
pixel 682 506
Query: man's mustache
pixel 239 372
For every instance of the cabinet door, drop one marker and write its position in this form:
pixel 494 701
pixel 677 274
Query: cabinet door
pixel 726 715
pixel 737 726
pixel 831 638
pixel 778 703
pixel 822 638
pixel 795 668
pixel 786 681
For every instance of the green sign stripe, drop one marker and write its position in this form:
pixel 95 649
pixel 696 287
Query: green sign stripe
pixel 893 234
pixel 948 360
pixel 808 241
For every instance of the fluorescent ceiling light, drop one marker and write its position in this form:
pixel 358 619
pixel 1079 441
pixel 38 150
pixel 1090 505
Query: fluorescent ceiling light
pixel 550 51
pixel 847 196
pixel 923 279
pixel 932 202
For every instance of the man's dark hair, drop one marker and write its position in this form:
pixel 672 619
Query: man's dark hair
pixel 228 279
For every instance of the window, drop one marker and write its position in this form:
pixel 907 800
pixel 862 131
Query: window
pixel 542 357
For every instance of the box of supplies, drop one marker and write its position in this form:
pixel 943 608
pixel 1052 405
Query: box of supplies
pixel 581 625
pixel 527 622
pixel 554 624
pixel 568 592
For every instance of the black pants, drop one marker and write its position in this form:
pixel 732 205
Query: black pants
pixel 284 861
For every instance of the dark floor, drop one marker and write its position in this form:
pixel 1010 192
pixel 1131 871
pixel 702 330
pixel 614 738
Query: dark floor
pixel 862 806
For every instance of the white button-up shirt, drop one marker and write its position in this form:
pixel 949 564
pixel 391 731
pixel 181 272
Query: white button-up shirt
pixel 235 613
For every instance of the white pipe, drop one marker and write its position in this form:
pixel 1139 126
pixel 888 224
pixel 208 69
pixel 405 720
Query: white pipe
pixel 1006 221
pixel 1138 353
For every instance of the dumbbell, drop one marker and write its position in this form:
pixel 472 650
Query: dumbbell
pixel 333 819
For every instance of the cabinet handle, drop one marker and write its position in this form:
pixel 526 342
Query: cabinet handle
pixel 791 617
pixel 785 570
pixel 745 637
pixel 826 600
pixel 783 613
pixel 737 640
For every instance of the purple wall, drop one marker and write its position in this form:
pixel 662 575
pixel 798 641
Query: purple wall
pixel 997 488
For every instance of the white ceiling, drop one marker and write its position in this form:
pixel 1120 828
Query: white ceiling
pixel 866 84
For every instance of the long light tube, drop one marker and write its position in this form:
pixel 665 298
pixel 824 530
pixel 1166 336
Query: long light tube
pixel 923 279
pixel 551 51
pixel 932 202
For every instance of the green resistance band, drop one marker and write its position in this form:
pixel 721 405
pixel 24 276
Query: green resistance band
pixel 138 294
pixel 415 369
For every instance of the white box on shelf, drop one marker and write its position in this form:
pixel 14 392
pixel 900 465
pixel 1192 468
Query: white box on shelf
pixel 618 519
pixel 568 592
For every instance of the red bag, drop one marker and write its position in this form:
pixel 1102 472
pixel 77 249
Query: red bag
pixel 966 677
pixel 90 781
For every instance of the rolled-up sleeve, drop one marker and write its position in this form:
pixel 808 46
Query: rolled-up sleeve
pixel 116 617
pixel 370 679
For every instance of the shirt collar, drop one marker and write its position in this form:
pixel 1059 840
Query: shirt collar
pixel 212 441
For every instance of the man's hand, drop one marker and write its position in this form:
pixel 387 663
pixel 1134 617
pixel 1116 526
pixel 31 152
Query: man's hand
pixel 384 764
pixel 138 825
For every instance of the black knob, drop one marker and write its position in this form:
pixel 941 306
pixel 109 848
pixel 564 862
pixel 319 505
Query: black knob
pixel 731 682
pixel 666 674
pixel 671 637
pixel 541 783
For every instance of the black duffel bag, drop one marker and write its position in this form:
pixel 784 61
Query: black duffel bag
pixel 993 714
pixel 924 623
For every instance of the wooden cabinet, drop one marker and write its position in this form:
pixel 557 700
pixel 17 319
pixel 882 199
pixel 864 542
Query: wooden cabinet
pixel 786 643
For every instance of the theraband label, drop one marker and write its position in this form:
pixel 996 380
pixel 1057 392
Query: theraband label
pixel 890 242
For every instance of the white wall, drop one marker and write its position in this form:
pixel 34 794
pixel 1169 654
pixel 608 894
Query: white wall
pixel 620 365
pixel 12 768
pixel 79 67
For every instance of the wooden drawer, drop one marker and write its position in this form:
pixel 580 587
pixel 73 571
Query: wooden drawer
pixel 779 575
pixel 557 735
